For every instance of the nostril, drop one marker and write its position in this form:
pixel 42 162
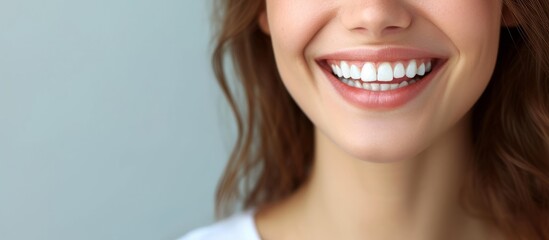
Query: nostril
pixel 375 18
pixel 360 30
pixel 392 28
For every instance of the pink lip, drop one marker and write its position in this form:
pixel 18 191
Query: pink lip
pixel 378 55
pixel 380 100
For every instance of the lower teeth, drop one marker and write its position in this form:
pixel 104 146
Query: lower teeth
pixel 377 86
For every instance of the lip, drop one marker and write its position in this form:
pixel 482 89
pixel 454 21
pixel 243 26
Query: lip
pixel 387 54
pixel 380 100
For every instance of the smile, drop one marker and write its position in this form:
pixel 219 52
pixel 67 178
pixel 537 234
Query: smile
pixel 380 79
pixel 382 76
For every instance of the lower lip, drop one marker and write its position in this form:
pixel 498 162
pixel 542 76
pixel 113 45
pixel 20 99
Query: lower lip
pixel 380 100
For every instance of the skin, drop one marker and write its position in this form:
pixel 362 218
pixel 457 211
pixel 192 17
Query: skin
pixel 393 173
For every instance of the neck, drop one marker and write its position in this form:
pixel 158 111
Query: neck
pixel 416 198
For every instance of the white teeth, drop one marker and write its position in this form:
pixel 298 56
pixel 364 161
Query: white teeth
pixel 385 72
pixel 345 70
pixel 411 69
pixel 368 73
pixel 421 70
pixel 376 87
pixel 351 83
pixel 399 70
pixel 338 71
pixel 355 72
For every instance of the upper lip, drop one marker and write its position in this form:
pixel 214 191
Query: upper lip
pixel 386 54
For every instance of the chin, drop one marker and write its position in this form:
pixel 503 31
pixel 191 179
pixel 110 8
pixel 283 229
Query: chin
pixel 381 154
pixel 364 149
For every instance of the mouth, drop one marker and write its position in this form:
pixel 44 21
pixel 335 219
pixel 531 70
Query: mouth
pixel 378 83
pixel 380 76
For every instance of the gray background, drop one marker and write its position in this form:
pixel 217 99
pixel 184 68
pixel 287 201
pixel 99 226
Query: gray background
pixel 111 124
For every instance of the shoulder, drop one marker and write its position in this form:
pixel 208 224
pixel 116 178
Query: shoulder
pixel 238 227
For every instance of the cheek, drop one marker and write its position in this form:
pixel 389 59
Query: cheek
pixel 294 24
pixel 473 28
pixel 472 25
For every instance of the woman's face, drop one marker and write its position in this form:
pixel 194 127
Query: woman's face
pixel 416 67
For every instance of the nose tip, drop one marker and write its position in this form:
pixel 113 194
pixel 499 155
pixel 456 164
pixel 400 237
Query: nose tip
pixel 375 17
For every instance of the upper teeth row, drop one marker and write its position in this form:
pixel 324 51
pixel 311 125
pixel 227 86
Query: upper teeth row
pixel 385 71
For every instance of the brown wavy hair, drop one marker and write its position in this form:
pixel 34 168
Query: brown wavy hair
pixel 509 173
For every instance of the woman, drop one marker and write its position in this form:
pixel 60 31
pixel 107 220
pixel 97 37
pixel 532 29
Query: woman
pixel 386 119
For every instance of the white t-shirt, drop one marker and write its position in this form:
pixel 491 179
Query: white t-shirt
pixel 238 227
